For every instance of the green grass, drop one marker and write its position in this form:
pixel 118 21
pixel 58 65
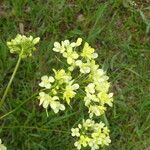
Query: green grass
pixel 120 33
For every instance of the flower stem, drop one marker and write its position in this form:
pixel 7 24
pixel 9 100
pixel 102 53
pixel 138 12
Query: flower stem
pixel 106 120
pixel 10 82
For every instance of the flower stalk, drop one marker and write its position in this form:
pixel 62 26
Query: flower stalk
pixel 23 46
pixel 10 82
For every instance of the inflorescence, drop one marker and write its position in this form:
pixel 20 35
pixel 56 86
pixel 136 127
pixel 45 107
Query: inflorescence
pixel 22 45
pixel 59 89
pixel 91 134
pixel 62 88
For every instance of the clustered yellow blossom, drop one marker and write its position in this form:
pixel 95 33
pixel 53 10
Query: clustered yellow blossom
pixel 91 134
pixel 22 45
pixel 67 49
pixel 2 146
pixel 97 95
pixel 95 86
pixel 57 89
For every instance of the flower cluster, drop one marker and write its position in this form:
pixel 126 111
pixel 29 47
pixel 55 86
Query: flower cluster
pixel 95 86
pixel 91 134
pixel 56 89
pixel 67 49
pixel 22 45
pixel 97 95
pixel 2 146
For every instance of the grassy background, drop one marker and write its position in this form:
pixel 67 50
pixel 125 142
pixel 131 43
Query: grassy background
pixel 119 30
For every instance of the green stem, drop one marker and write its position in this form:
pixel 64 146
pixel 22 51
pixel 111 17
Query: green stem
pixel 10 82
pixel 106 120
pixel 10 112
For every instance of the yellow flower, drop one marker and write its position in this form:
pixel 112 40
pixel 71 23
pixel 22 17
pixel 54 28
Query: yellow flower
pixel 65 45
pixel 105 98
pixel 22 45
pixel 2 146
pixel 106 141
pixel 103 86
pixel 88 52
pixel 70 55
pixel 84 140
pixel 96 110
pixel 106 130
pixel 46 81
pixel 69 92
pixel 93 144
pixel 62 76
pixel 88 123
pixel 56 105
pixel 89 98
pixel 93 66
pixel 75 132
pixel 46 100
pixel 58 47
pixel 84 67
pixel 99 76
pixel 77 145
pixel 90 88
